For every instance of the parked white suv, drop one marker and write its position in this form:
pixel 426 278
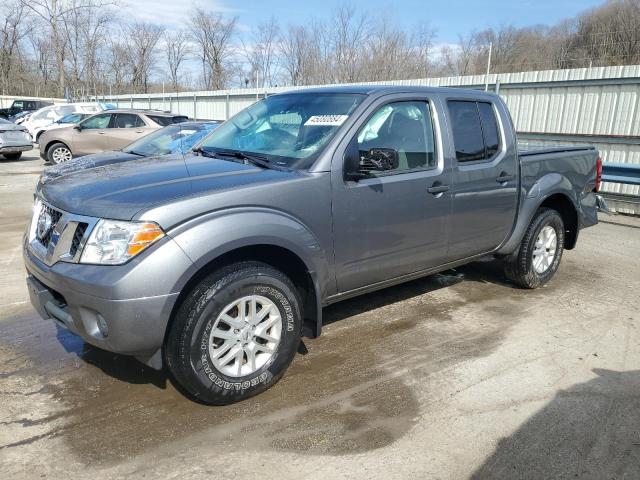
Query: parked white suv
pixel 46 116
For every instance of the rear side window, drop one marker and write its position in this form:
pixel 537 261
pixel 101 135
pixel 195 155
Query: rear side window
pixel 475 130
pixel 166 120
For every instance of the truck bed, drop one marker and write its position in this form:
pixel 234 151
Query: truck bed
pixel 528 151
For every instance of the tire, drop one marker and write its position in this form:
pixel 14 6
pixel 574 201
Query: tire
pixel 13 156
pixel 59 153
pixel 194 354
pixel 521 267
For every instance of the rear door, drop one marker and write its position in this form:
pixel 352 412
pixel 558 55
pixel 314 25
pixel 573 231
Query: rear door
pixel 485 178
pixel 124 129
pixel 393 223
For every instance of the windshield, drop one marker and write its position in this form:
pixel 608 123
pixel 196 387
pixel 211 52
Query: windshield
pixel 172 139
pixel 289 130
pixel 71 118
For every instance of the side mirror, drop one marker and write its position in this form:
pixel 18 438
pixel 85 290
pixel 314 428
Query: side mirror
pixel 359 164
pixel 78 127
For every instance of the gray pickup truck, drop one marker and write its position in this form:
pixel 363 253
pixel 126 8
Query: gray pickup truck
pixel 216 263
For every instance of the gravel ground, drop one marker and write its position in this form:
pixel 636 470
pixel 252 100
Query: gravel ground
pixel 458 375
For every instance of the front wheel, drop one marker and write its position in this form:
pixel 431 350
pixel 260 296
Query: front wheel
pixel 13 156
pixel 235 334
pixel 59 153
pixel 538 258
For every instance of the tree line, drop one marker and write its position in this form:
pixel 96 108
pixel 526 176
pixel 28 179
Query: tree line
pixel 80 48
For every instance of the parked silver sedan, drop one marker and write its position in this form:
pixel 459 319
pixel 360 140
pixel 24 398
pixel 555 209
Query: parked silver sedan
pixel 14 139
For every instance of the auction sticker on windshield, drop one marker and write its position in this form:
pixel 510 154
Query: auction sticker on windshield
pixel 331 120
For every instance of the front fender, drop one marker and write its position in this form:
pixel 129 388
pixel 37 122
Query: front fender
pixel 210 236
pixel 548 185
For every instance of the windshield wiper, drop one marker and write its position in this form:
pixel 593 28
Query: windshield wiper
pixel 135 153
pixel 203 152
pixel 253 158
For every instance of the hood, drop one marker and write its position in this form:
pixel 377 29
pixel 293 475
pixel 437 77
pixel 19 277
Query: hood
pixel 120 190
pixel 88 161
pixel 11 127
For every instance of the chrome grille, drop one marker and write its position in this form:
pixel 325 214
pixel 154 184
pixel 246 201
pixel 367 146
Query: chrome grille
pixel 58 236
pixel 44 234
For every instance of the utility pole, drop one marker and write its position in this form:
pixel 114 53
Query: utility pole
pixel 486 77
pixel 256 84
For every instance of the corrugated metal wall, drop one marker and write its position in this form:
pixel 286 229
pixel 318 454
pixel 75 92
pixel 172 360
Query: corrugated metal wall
pixel 597 105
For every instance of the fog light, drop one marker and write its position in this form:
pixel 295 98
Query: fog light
pixel 102 326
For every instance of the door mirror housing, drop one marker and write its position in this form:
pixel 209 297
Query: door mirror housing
pixel 360 164
pixel 78 127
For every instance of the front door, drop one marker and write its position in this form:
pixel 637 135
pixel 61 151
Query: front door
pixel 92 136
pixel 392 223
pixel 485 179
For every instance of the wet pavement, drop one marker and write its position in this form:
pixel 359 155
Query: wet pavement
pixel 453 376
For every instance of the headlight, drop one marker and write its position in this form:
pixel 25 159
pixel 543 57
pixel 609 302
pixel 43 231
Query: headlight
pixel 114 242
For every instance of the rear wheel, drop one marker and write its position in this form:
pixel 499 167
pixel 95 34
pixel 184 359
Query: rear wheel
pixel 12 156
pixel 540 252
pixel 59 153
pixel 235 334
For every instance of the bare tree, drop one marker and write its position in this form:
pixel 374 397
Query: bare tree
pixel 212 34
pixel 295 52
pixel 75 47
pixel 262 53
pixel 144 38
pixel 15 26
pixel 177 50
pixel 53 13
pixel 84 32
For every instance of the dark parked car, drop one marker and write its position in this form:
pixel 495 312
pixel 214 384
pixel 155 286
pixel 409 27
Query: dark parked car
pixel 215 263
pixel 26 105
pixel 178 138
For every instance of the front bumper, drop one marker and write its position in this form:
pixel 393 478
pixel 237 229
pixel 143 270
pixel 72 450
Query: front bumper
pixel 134 301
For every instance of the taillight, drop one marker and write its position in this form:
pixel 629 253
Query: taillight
pixel 598 174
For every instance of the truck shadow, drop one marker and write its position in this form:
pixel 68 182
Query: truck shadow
pixel 589 430
pixel 488 271
pixel 122 367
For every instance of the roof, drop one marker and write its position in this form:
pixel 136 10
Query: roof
pixel 385 89
pixel 159 113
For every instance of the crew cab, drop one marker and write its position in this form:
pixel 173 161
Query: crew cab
pixel 214 264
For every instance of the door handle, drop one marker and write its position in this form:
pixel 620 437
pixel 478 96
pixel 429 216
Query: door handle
pixel 100 133
pixel 139 131
pixel 437 188
pixel 504 178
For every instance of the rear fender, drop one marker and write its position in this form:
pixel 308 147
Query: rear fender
pixel 548 185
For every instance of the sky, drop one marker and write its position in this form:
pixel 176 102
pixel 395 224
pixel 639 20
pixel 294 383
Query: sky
pixel 450 18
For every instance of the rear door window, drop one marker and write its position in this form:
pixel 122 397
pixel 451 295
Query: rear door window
pixel 475 130
pixel 467 131
pixel 127 120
